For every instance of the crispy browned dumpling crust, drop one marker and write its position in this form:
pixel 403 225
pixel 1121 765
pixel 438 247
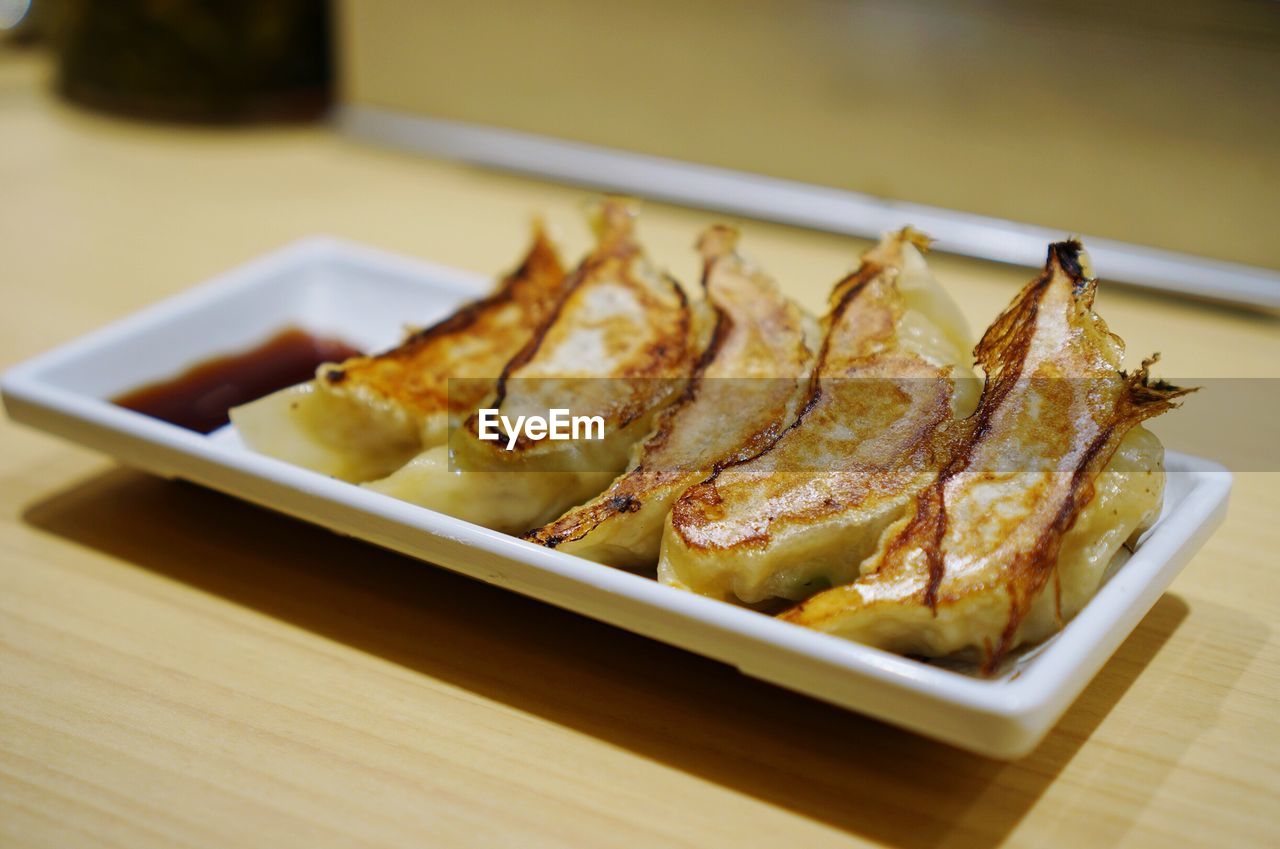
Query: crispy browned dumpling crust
pixel 619 345
pixel 365 418
pixel 965 568
pixel 744 391
pixel 473 344
pixel 776 524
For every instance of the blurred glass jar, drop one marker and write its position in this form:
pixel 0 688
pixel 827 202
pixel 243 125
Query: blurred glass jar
pixel 221 61
pixel 20 21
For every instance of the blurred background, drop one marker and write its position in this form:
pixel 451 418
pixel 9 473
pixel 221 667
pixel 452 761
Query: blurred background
pixel 184 60
pixel 1149 122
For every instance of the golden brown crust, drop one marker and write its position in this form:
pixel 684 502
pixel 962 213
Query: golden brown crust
pixel 892 399
pixel 1016 475
pixel 741 394
pixel 473 343
pixel 635 323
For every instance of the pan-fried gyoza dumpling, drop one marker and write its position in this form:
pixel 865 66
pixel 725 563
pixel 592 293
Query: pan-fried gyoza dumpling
pixel 620 346
pixel 788 522
pixel 368 416
pixel 1040 487
pixel 744 392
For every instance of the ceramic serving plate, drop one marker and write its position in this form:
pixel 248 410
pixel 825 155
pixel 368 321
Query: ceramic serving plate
pixel 366 297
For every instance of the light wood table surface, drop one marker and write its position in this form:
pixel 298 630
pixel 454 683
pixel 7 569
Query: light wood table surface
pixel 180 669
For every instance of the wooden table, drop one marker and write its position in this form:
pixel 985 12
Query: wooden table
pixel 180 669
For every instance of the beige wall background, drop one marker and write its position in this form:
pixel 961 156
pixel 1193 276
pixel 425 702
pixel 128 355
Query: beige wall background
pixel 1156 123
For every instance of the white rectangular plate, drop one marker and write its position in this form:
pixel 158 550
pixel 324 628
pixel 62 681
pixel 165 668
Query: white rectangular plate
pixel 366 297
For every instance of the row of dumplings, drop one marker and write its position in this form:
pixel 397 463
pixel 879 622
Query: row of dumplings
pixel 849 473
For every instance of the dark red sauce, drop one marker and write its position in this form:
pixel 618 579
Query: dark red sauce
pixel 200 397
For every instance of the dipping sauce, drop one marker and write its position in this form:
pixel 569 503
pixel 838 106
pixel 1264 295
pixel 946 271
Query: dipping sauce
pixel 200 398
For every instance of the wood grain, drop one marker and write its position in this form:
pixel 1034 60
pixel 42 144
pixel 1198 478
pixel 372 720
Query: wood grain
pixel 181 669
